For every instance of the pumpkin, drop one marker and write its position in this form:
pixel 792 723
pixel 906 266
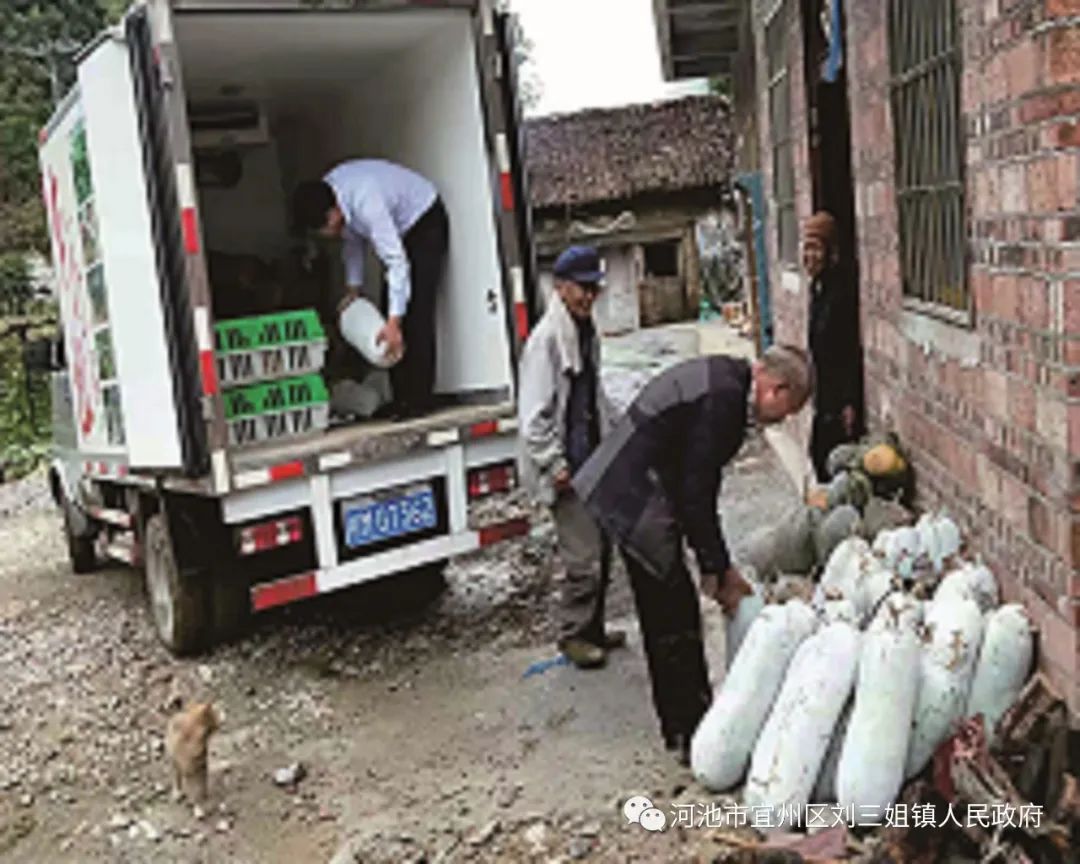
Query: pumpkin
pixel 849 487
pixel 785 546
pixel 721 746
pixel 833 528
pixel 791 749
pixel 843 458
pixel 883 460
pixel 881 514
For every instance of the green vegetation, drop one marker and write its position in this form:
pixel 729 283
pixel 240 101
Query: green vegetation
pixel 38 42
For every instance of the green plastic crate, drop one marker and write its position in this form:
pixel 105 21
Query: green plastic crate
pixel 276 409
pixel 267 347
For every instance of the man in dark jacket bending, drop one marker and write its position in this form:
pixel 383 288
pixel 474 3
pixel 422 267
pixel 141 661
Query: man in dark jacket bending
pixel 655 481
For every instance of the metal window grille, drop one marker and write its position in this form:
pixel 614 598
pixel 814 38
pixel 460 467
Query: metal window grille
pixel 782 136
pixel 924 51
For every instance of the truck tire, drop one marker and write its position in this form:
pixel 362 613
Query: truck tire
pixel 230 607
pixel 177 596
pixel 80 549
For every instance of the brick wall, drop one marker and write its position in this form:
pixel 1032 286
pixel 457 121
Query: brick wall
pixel 790 304
pixel 992 412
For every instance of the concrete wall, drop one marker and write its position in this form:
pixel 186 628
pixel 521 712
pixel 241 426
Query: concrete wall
pixel 992 411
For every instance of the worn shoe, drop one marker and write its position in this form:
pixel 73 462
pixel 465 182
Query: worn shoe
pixel 679 744
pixel 582 654
pixel 614 639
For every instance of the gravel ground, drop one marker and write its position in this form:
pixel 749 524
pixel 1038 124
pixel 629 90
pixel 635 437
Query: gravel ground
pixel 421 735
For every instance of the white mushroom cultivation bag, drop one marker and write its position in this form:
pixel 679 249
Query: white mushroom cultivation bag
pixel 870 771
pixel 951 646
pixel 791 748
pixel 899 549
pixel 969 582
pixel 724 740
pixel 840 578
pixel 1008 648
pixel 939 540
pixel 360 325
pixel 825 787
pixel 738 625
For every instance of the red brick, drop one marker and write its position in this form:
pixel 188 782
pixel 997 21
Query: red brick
pixel 1063 50
pixel 1014 189
pixel 1040 523
pixel 1035 297
pixel 1062 8
pixel 1021 404
pixel 1067 198
pixel 1070 305
pixel 1021 68
pixel 1074 590
pixel 1041 182
pixel 1066 135
pixel 1074 427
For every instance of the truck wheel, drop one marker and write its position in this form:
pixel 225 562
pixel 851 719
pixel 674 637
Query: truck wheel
pixel 230 603
pixel 80 549
pixel 177 596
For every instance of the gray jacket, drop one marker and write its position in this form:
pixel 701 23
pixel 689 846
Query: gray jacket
pixel 552 354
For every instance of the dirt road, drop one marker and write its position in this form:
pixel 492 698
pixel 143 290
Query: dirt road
pixel 420 734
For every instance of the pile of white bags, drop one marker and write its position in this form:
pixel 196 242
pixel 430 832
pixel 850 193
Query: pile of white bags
pixel 845 699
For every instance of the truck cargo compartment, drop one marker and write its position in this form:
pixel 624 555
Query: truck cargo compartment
pixel 327 87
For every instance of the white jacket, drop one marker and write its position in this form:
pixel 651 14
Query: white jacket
pixel 552 355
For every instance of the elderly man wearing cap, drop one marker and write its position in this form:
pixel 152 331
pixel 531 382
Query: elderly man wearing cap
pixel 654 481
pixel 562 410
pixel 833 337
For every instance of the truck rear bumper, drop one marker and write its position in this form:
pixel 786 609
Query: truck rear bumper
pixel 302 586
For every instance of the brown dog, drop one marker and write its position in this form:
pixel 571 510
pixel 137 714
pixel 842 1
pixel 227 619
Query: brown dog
pixel 186 739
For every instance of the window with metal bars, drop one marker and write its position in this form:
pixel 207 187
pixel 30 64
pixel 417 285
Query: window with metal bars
pixel 782 137
pixel 924 51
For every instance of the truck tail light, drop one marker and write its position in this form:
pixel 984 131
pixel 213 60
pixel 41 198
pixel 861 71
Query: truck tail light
pixel 270 535
pixel 492 479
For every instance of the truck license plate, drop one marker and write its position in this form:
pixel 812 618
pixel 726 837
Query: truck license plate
pixel 371 519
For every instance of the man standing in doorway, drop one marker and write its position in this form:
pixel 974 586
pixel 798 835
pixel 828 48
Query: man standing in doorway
pixel 401 214
pixel 655 480
pixel 562 410
pixel 833 340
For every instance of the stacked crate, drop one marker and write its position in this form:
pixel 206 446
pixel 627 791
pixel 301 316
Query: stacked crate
pixel 269 368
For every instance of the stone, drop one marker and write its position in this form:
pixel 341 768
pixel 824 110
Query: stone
pixel 150 832
pixel 290 775
pixel 484 834
pixel 119 822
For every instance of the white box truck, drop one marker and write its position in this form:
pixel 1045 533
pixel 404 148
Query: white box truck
pixel 145 469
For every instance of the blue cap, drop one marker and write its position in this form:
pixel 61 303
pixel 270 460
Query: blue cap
pixel 580 264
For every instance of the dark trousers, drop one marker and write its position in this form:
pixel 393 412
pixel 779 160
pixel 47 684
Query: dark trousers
pixel 826 434
pixel 670 617
pixel 426 244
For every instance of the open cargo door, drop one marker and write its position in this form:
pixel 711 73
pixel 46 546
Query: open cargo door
pixel 138 388
pixel 152 79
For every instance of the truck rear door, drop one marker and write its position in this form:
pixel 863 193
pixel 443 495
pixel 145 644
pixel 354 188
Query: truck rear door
pixel 124 393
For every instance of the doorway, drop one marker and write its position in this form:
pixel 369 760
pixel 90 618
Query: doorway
pixel 825 55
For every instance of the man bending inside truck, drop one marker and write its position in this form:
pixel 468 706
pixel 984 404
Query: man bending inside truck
pixel 401 214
